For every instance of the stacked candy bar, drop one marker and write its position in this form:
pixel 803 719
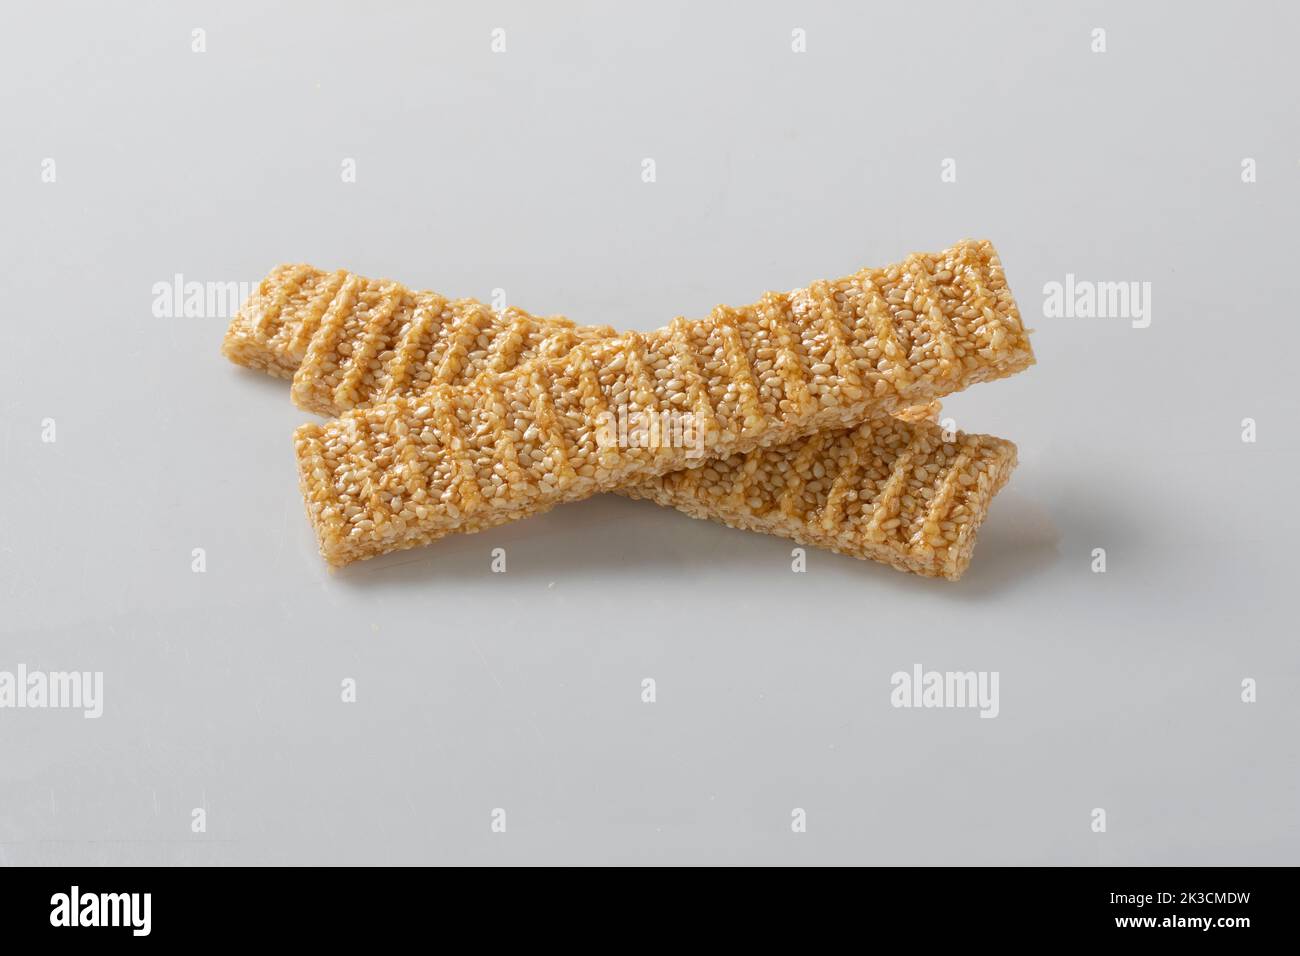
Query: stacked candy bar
pixel 455 418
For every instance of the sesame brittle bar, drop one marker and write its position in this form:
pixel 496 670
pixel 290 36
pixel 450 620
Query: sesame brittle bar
pixel 348 341
pixel 908 495
pixel 271 331
pixel 415 468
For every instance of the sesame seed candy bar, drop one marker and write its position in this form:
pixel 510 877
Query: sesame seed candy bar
pixel 272 329
pixel 413 469
pixel 380 340
pixel 408 344
pixel 885 491
pixel 346 340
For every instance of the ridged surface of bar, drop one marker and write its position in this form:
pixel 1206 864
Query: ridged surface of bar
pixel 379 340
pixel 272 330
pixel 348 341
pixel 887 490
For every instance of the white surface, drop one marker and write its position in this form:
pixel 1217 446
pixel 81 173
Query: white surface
pixel 522 690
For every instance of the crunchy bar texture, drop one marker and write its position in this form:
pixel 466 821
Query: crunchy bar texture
pixel 929 412
pixel 379 340
pixel 413 469
pixel 348 341
pixel 885 491
pixel 273 328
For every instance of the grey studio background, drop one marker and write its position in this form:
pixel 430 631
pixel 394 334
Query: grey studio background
pixel 522 170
